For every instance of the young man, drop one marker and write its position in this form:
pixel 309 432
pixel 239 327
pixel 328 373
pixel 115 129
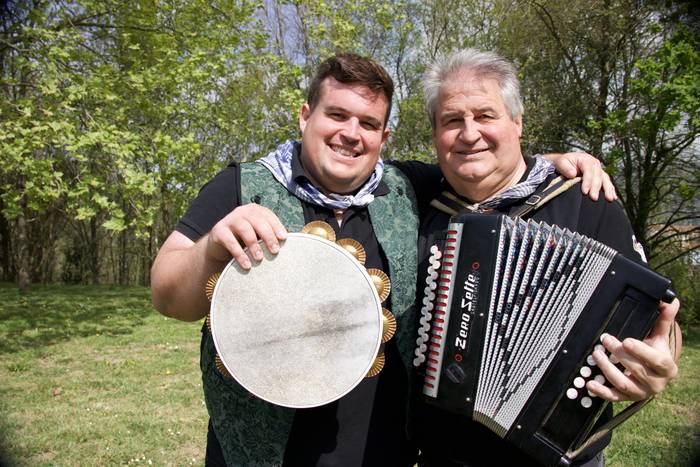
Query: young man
pixel 474 104
pixel 335 175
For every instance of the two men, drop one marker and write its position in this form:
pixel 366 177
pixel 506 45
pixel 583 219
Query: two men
pixel 335 175
pixel 474 104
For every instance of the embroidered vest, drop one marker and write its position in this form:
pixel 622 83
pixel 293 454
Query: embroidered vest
pixel 252 432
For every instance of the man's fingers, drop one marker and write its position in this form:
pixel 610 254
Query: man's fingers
pixel 605 392
pixel 666 319
pixel 608 187
pixel 567 168
pixel 224 237
pixel 592 178
pixel 592 175
pixel 267 234
pixel 270 230
pixel 627 388
pixel 659 361
pixel 246 234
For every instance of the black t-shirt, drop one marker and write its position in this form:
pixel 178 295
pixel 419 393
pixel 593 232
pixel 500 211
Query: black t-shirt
pixel 443 435
pixel 367 427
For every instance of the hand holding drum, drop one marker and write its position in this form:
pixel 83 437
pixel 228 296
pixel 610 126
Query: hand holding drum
pixel 301 328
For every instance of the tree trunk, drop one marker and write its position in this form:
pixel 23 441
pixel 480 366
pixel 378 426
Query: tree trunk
pixel 22 254
pixel 94 249
pixel 5 248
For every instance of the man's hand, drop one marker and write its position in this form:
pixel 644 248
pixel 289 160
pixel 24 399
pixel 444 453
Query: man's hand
pixel 572 164
pixel 242 228
pixel 182 267
pixel 649 365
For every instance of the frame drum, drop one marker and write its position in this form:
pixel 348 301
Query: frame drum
pixel 300 328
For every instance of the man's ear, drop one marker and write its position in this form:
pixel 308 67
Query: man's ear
pixel 385 135
pixel 304 114
pixel 519 125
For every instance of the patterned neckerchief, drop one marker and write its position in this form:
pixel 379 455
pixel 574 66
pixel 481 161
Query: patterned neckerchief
pixel 279 162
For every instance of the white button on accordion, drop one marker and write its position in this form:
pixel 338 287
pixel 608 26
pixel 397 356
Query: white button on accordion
pixel 512 312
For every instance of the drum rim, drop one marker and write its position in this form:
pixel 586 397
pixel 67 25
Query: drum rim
pixel 378 306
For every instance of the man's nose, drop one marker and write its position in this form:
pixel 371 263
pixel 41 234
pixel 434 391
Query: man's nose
pixel 351 129
pixel 470 132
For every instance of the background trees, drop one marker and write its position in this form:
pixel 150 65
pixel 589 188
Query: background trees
pixel 114 113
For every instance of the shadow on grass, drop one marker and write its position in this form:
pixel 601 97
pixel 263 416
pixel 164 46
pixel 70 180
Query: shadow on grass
pixel 49 314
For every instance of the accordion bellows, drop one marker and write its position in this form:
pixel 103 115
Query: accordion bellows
pixel 512 312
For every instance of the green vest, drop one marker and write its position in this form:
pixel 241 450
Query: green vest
pixel 253 432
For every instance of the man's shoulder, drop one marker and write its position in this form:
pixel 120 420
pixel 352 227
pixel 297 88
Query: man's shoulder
pixel 599 219
pixel 417 171
pixel 424 178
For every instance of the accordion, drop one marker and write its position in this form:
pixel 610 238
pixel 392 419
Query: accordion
pixel 512 312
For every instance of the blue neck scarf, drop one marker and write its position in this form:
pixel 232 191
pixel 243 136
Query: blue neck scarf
pixel 279 162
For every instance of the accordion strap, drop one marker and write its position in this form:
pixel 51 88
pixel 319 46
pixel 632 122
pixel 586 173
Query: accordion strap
pixel 616 421
pixel 556 187
pixel 452 205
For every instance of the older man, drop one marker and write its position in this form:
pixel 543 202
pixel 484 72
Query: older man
pixel 475 108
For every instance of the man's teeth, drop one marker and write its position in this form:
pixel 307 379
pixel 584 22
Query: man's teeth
pixel 473 151
pixel 344 152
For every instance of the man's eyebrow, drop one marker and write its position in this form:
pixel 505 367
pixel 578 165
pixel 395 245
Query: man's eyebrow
pixel 485 108
pixel 368 118
pixel 450 113
pixel 334 108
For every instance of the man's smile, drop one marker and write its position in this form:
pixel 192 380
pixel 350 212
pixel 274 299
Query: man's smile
pixel 469 152
pixel 344 151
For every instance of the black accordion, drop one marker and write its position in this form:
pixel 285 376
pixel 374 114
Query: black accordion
pixel 513 310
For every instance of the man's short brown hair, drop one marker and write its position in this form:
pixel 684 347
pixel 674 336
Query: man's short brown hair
pixel 349 68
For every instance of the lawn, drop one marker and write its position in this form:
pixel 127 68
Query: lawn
pixel 94 376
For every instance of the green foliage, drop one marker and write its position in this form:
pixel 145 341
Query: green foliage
pixel 686 277
pixel 114 114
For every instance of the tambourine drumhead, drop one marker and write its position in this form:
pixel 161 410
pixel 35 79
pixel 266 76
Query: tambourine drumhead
pixel 300 328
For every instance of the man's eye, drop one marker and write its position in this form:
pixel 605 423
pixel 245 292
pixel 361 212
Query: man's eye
pixel 369 126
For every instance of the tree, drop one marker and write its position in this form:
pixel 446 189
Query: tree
pixel 617 78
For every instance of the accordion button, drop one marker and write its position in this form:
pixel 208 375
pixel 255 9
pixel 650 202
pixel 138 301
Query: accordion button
pixel 579 382
pixel 590 360
pixel 586 402
pixel 571 393
pixel 600 379
pixel 614 360
pixel 599 347
pixel 585 371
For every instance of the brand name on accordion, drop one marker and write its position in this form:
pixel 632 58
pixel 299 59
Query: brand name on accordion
pixel 471 287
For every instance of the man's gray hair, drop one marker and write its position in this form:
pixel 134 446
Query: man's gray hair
pixel 481 64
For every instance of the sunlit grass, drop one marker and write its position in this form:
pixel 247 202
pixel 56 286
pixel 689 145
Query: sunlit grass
pixel 94 376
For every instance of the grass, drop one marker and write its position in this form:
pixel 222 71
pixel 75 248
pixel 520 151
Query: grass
pixel 94 376
pixel 667 430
